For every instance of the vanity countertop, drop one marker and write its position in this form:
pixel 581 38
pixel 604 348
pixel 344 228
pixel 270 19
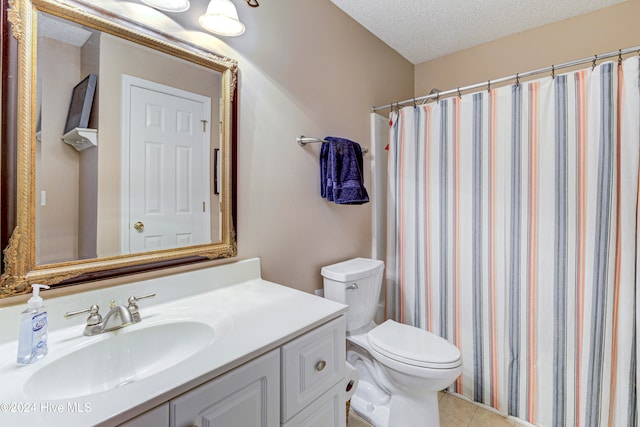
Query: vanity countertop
pixel 249 316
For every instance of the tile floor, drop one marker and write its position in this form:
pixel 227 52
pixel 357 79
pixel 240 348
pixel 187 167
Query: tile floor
pixel 454 412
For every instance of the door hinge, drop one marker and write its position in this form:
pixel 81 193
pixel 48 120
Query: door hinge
pixel 204 125
pixel 204 208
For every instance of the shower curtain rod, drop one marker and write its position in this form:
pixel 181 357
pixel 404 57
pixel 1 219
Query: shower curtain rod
pixel 516 77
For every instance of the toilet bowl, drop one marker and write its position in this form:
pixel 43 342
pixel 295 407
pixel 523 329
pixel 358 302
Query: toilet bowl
pixel 401 367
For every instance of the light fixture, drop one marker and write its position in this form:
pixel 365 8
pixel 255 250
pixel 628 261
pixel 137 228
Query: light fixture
pixel 222 18
pixel 168 5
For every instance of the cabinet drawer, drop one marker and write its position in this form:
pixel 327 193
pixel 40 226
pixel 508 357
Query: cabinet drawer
pixel 312 364
pixel 327 411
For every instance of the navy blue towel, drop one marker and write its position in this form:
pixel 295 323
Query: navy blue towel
pixel 341 177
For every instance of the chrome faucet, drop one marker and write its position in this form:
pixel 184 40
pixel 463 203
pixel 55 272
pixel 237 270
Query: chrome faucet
pixel 118 316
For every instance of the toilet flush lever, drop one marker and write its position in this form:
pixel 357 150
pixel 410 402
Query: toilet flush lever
pixel 352 287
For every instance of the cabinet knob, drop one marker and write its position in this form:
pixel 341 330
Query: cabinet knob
pixel 350 385
pixel 320 365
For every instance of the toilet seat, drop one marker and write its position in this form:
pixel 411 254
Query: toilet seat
pixel 413 346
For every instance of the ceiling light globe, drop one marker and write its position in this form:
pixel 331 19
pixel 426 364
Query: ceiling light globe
pixel 222 18
pixel 169 5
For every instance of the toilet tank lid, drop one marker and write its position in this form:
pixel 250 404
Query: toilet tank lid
pixel 352 269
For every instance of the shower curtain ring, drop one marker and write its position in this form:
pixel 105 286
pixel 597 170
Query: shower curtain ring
pixel 593 64
pixel 488 85
pixel 619 56
pixel 553 71
pixel 459 94
pixel 517 79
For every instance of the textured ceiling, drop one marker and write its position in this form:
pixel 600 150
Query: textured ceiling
pixel 421 30
pixel 63 31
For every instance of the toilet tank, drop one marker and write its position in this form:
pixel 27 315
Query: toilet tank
pixel 357 283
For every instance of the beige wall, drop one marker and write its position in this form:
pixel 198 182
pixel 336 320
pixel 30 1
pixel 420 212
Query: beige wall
pixel 305 68
pixel 64 230
pixel 57 162
pixel 605 30
pixel 88 180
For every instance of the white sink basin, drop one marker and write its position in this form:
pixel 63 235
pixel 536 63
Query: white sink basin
pixel 119 358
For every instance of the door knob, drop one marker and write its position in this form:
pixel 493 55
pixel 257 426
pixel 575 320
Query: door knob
pixel 138 226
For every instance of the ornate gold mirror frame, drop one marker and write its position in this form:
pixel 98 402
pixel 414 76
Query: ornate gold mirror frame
pixel 20 266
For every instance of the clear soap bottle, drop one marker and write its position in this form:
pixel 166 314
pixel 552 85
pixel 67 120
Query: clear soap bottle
pixel 32 339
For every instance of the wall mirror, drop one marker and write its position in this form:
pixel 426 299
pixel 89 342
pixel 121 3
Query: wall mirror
pixel 124 148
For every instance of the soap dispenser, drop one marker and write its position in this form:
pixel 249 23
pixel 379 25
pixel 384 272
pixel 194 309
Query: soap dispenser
pixel 32 340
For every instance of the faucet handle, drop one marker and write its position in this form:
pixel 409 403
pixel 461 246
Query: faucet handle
pixel 94 316
pixel 149 295
pixel 133 306
pixel 134 300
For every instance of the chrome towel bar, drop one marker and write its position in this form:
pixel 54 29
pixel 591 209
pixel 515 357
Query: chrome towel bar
pixel 304 140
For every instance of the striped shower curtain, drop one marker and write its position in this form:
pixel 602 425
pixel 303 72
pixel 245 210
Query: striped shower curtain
pixel 512 232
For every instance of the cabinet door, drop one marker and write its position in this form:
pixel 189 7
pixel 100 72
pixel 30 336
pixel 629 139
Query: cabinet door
pixel 248 396
pixel 156 417
pixel 329 410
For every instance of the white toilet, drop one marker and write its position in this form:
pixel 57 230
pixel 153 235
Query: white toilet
pixel 401 367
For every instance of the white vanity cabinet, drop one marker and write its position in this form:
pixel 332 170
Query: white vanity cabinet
pixel 248 396
pixel 300 384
